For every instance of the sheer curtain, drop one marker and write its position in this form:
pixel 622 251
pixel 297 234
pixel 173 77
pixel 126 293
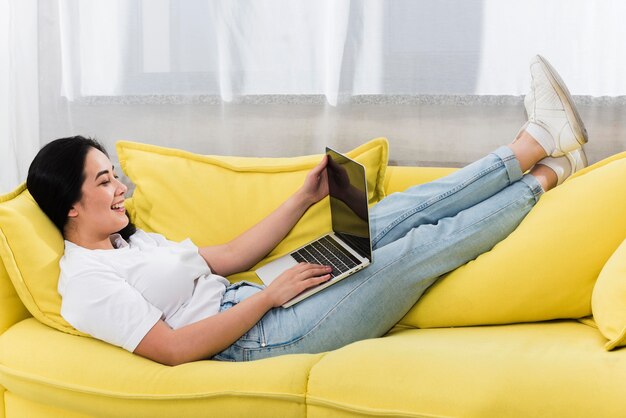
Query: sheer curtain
pixel 442 79
pixel 19 90
pixel 220 48
pixel 335 48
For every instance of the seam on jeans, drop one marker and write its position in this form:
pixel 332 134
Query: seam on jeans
pixel 245 351
pixel 248 351
pixel 537 192
pixel 219 357
pixel 536 189
pixel 442 196
pixel 506 160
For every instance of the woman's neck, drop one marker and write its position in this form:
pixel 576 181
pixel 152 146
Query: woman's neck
pixel 91 243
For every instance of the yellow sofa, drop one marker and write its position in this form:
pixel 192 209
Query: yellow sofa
pixel 556 367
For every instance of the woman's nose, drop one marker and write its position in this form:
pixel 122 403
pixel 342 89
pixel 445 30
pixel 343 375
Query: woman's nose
pixel 121 187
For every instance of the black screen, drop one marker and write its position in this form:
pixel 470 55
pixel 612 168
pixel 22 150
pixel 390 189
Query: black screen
pixel 348 201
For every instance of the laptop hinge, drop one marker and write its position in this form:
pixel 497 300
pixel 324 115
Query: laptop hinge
pixel 359 244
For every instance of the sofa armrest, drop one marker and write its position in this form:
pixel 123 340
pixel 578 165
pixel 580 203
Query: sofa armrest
pixel 399 178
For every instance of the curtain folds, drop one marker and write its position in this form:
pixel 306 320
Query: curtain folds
pixel 284 77
pixel 19 90
pixel 335 48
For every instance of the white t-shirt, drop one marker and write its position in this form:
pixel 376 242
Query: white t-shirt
pixel 118 295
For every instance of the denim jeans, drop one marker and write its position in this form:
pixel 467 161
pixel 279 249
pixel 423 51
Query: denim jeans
pixel 418 235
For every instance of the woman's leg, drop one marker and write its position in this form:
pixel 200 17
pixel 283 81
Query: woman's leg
pixel 368 303
pixel 399 213
pixel 415 246
pixel 554 129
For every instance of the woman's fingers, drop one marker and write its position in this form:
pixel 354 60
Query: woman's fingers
pixel 307 270
pixel 313 276
pixel 309 275
pixel 321 166
pixel 318 169
pixel 297 279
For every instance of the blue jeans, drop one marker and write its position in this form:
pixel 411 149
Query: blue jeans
pixel 418 235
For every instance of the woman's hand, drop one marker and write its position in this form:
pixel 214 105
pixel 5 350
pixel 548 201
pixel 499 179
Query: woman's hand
pixel 315 186
pixel 296 280
pixel 246 250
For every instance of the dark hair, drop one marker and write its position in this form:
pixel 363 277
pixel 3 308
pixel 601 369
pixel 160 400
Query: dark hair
pixel 56 175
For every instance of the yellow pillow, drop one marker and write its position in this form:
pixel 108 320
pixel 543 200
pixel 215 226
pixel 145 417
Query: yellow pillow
pixel 212 199
pixel 608 301
pixel 547 267
pixel 31 247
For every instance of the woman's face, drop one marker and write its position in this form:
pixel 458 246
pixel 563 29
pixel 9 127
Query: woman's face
pixel 100 212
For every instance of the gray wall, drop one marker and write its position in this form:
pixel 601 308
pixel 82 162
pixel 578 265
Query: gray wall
pixel 426 130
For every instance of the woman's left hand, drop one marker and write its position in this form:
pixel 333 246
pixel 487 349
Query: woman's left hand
pixel 315 186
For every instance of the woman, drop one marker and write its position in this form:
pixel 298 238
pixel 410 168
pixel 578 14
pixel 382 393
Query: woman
pixel 169 301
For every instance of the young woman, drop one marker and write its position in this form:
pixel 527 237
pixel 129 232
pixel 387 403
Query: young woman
pixel 169 301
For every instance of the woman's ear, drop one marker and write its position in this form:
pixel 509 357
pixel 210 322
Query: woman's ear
pixel 72 213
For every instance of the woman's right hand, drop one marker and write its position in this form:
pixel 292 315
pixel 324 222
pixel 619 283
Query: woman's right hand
pixel 296 280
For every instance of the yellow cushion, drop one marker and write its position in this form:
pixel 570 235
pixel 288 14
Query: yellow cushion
pixel 555 369
pixel 547 267
pixel 400 178
pixel 608 301
pixel 213 199
pixel 31 247
pixel 12 310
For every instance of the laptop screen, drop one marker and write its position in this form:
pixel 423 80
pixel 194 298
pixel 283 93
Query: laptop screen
pixel 348 201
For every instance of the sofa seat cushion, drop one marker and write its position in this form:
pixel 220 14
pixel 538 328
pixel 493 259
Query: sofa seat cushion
pixel 90 377
pixel 549 369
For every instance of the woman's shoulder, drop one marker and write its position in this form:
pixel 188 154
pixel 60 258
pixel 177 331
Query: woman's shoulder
pixel 77 260
pixel 145 240
pixel 80 267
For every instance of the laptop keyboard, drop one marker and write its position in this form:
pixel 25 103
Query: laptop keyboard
pixel 328 252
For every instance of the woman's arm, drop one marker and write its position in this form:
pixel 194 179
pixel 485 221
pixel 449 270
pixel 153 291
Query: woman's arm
pixel 252 246
pixel 205 338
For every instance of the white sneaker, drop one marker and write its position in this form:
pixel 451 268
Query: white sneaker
pixel 550 106
pixel 566 165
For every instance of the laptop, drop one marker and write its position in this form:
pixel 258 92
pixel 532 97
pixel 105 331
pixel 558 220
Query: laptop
pixel 348 248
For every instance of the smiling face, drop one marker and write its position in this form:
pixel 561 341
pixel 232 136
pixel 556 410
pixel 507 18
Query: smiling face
pixel 100 211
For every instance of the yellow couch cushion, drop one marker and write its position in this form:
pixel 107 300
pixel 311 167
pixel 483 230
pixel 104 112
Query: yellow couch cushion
pixel 556 369
pixel 31 247
pixel 12 310
pixel 608 301
pixel 97 379
pixel 400 178
pixel 213 199
pixel 547 267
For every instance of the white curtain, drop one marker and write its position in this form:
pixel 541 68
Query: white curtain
pixel 19 90
pixel 336 48
pixel 285 77
pixel 223 48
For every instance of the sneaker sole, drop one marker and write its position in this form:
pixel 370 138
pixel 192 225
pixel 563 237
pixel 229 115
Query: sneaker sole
pixel 573 117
